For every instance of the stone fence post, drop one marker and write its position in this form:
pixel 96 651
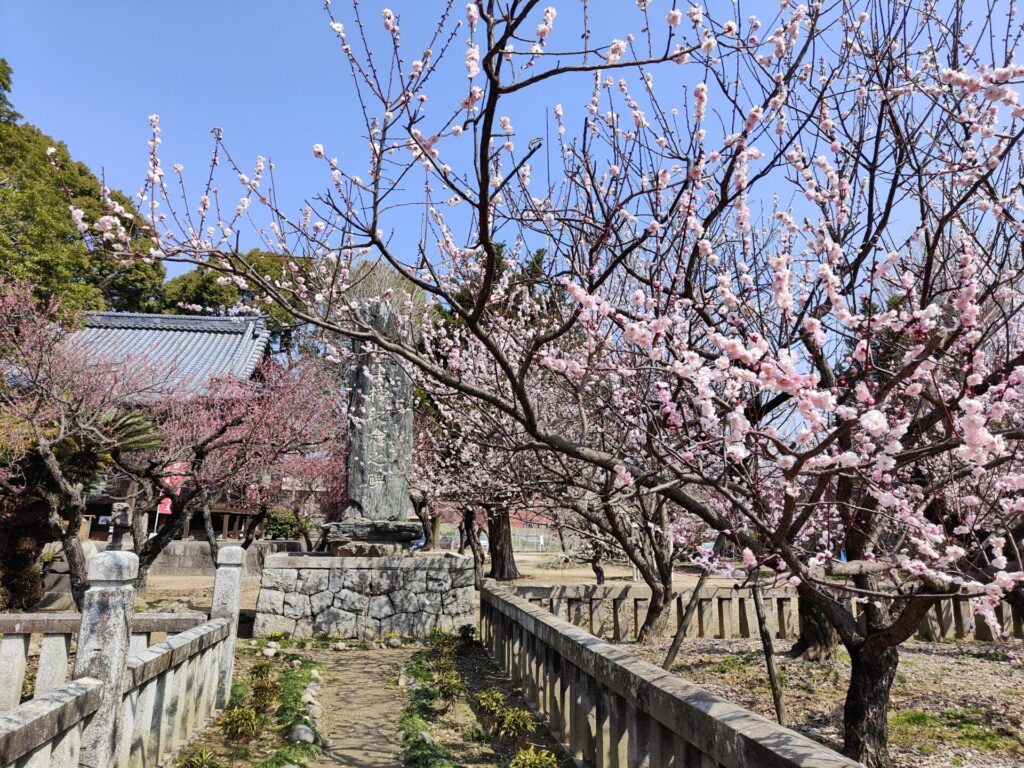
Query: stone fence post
pixel 103 638
pixel 227 596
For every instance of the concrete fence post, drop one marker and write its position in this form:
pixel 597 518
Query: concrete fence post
pixel 227 597
pixel 103 638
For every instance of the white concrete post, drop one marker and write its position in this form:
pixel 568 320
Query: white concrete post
pixel 227 597
pixel 103 637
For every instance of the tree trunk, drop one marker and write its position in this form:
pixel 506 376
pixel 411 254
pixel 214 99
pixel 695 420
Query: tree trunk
pixel 78 572
pixel 867 704
pixel 818 638
pixel 499 534
pixel 473 541
pixel 422 510
pixel 656 618
pixel 211 534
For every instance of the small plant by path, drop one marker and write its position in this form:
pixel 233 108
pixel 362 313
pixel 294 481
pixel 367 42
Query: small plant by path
pixel 462 710
pixel 269 699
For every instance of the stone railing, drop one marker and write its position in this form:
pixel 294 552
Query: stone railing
pixel 617 612
pixel 126 704
pixel 610 708
pixel 56 632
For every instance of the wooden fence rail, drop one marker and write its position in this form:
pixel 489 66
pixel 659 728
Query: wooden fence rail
pixel 617 612
pixel 130 702
pixel 610 708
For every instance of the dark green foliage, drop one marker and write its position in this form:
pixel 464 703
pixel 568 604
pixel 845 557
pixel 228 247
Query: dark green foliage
pixel 7 113
pixel 282 523
pixel 534 758
pixel 262 669
pixel 200 758
pixel 513 724
pixel 490 702
pixel 450 686
pixel 38 239
pixel 467 636
pixel 264 694
pixel 241 723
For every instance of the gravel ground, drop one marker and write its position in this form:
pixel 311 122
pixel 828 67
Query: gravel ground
pixel 953 704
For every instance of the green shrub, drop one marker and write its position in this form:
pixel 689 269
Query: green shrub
pixel 282 523
pixel 442 666
pixel 450 686
pixel 441 643
pixel 241 723
pixel 466 634
pixel 200 758
pixel 530 758
pixel 265 694
pixel 261 670
pixel 513 724
pixel 474 734
pixel 490 702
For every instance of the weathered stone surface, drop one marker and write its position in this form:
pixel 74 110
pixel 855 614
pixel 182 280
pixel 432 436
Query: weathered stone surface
pixel 380 607
pixel 384 581
pixel 395 531
pixel 335 622
pixel 365 598
pixel 415 581
pixel 320 601
pixel 348 600
pixel 357 580
pixel 380 440
pixel 283 578
pixel 312 580
pixel 462 577
pixel 303 733
pixel 438 581
pixel 268 623
pixel 270 601
pixel 296 605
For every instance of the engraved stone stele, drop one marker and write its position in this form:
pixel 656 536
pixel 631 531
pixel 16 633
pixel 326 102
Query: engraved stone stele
pixel 370 585
pixel 379 447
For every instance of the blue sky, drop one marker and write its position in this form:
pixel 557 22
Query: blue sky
pixel 269 73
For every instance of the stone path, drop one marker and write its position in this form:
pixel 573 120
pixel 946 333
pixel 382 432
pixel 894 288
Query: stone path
pixel 362 703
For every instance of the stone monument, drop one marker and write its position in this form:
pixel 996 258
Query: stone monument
pixel 379 449
pixel 371 584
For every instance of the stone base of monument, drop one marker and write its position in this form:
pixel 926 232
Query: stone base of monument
pixel 370 538
pixel 365 598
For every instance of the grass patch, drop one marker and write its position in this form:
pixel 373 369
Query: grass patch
pixel 968 727
pixel 419 748
pixel 733 664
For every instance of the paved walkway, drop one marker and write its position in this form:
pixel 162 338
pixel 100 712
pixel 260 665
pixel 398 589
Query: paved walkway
pixel 361 705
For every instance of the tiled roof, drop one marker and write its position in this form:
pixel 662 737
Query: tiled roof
pixel 191 350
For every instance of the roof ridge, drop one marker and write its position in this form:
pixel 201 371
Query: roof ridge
pixel 239 324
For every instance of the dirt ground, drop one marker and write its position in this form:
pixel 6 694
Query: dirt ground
pixel 953 704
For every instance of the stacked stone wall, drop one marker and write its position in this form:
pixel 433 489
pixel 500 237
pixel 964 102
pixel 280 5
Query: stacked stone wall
pixel 365 598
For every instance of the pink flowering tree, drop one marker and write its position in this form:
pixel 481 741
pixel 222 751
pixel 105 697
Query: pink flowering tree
pixel 252 438
pixel 780 256
pixel 66 416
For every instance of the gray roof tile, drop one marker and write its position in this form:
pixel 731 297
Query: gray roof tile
pixel 192 349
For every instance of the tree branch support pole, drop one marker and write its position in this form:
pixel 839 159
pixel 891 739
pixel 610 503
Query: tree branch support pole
pixel 691 608
pixel 769 653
